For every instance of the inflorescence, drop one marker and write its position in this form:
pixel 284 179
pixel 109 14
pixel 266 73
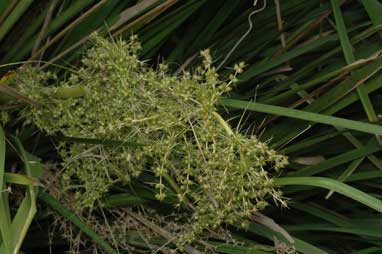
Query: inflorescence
pixel 216 172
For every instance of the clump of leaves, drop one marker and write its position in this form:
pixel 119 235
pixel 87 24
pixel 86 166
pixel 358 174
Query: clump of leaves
pixel 216 172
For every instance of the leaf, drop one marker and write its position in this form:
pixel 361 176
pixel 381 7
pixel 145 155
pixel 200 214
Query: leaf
pixel 123 199
pixel 263 67
pixel 13 17
pixel 237 249
pixel 333 185
pixel 374 9
pixel 303 115
pixel 339 159
pixel 301 246
pixel 27 210
pixel 342 33
pixel 104 142
pixel 5 218
pixel 65 212
pixel 20 179
pixel 350 58
pixel 357 230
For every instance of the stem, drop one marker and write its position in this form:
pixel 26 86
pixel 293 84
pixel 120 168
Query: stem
pixel 223 123
pixel 177 189
pixel 230 133
pixel 71 92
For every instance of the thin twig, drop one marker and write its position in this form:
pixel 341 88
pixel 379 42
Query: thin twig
pixel 68 50
pixel 152 14
pixel 15 94
pixel 185 65
pixel 271 224
pixel 280 23
pixel 68 28
pixel 131 12
pixel 245 34
pixel 160 231
pixel 42 33
pixel 86 38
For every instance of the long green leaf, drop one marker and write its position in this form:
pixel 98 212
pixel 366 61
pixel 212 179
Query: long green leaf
pixel 20 179
pixel 303 115
pixel 58 22
pixel 19 10
pixel 27 209
pixel 263 67
pixel 374 9
pixel 301 246
pixel 357 230
pixel 342 33
pixel 2 157
pixel 65 212
pixel 339 159
pixel 333 185
pixel 347 172
pixel 350 58
pixel 236 249
pixel 5 217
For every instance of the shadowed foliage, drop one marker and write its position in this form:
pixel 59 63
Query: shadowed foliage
pixel 310 88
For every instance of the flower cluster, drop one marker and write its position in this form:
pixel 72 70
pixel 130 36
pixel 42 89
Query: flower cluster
pixel 218 173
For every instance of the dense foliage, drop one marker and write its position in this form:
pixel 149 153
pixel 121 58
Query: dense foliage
pixel 89 142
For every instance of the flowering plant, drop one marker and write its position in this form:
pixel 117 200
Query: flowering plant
pixel 216 172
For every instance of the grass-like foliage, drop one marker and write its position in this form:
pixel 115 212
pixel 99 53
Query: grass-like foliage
pixel 133 156
pixel 216 172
